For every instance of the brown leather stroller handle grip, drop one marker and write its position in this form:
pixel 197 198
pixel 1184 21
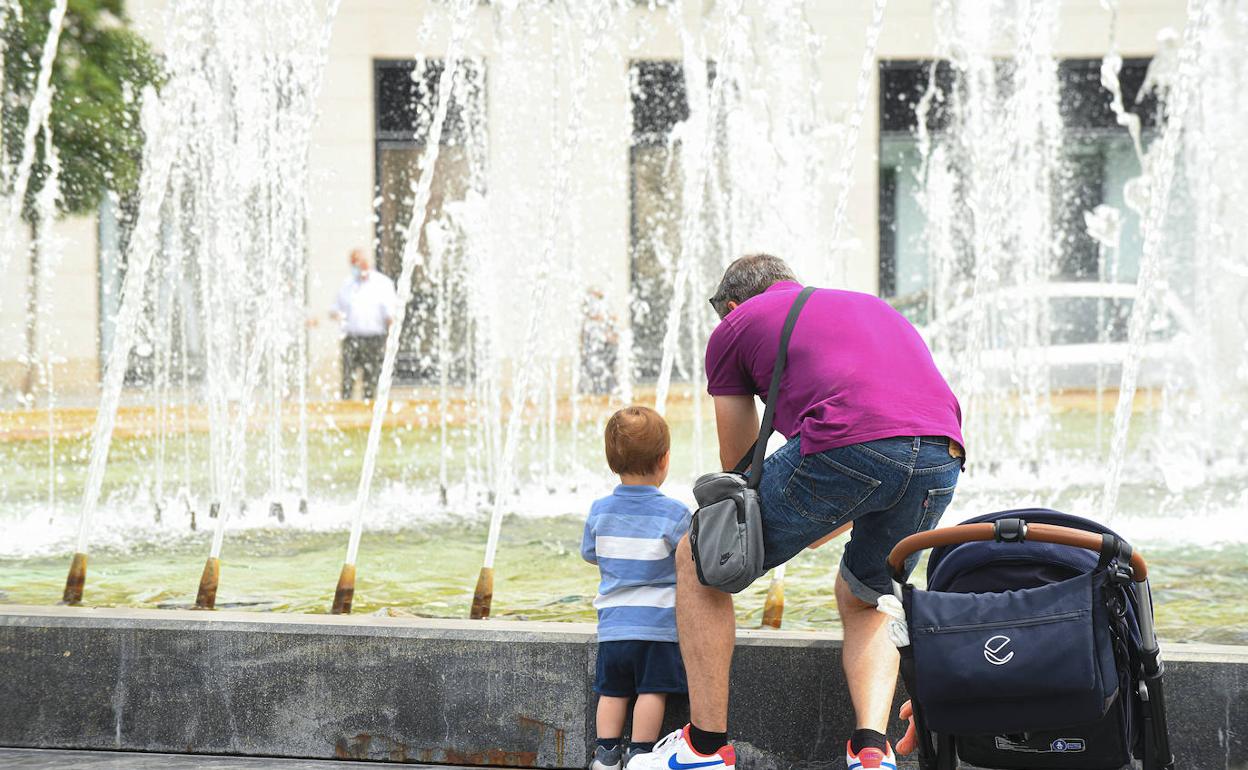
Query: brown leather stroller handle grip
pixel 1040 533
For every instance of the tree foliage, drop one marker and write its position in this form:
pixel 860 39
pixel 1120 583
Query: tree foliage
pixel 100 71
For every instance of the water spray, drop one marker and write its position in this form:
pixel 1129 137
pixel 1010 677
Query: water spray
pixel 301 343
pixel 773 605
pixel 39 111
pixel 855 123
pixel 1159 172
pixel 232 305
pixel 40 276
pixel 697 141
pixel 483 595
pixel 206 596
pixel 158 162
pixel 345 590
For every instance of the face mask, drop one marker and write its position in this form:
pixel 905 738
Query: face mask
pixel 356 273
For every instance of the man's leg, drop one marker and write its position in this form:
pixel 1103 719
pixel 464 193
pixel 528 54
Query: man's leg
pixel 373 354
pixel 870 659
pixel 914 503
pixel 707 630
pixel 348 367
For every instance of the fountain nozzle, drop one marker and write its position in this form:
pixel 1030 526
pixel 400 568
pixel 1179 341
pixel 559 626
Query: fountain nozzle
pixel 75 580
pixel 206 599
pixel 345 591
pixel 483 596
pixel 773 606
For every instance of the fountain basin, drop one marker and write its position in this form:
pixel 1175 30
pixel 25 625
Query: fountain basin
pixel 443 691
pixel 429 571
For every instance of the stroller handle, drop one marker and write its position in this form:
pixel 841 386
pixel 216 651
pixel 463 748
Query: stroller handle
pixel 966 533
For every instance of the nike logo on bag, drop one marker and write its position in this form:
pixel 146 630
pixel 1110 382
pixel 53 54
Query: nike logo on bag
pixel 724 559
pixel 676 764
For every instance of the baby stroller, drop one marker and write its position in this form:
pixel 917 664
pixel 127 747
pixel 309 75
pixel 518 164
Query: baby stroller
pixel 1032 647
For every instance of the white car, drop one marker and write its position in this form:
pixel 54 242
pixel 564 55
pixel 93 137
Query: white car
pixel 1055 326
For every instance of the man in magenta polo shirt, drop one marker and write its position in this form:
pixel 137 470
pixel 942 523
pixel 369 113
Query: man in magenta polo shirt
pixel 874 439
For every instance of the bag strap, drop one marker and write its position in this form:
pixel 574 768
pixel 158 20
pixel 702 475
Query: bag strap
pixel 753 459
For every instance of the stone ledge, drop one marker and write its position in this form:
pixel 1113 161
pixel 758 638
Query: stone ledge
pixel 454 691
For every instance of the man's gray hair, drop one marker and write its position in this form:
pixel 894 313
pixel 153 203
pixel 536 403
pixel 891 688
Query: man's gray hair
pixel 747 277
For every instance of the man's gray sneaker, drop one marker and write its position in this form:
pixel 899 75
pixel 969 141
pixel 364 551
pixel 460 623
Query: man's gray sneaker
pixel 606 759
pixel 628 755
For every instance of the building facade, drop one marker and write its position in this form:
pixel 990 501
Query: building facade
pixel 607 105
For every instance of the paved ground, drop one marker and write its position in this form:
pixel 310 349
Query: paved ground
pixel 38 759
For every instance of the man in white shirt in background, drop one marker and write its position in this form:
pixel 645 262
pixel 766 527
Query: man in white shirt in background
pixel 365 307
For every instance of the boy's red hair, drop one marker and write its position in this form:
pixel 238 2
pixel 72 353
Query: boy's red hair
pixel 637 438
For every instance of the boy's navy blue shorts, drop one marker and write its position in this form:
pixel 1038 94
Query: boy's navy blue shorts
pixel 629 667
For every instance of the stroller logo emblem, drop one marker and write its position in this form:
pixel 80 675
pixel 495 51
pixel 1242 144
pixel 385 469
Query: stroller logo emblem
pixel 995 650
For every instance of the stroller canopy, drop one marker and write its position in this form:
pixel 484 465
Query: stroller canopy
pixel 948 563
pixel 987 565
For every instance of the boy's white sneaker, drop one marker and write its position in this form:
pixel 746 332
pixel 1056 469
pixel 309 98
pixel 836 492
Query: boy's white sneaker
pixel 606 759
pixel 675 753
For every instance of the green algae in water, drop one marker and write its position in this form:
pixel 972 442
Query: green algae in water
pixel 539 575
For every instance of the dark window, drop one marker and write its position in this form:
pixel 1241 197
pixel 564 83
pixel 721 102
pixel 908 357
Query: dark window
pixel 888 231
pixel 406 98
pixel 659 100
pixel 902 85
pixel 1096 162
pixel 1084 102
pixel 659 104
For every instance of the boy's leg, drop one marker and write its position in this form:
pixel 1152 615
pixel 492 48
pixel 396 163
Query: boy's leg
pixel 648 717
pixel 612 711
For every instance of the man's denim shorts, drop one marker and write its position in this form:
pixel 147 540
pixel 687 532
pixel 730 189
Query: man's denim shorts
pixel 889 489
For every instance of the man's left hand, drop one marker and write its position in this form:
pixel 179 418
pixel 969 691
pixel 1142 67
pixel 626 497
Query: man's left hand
pixel 910 741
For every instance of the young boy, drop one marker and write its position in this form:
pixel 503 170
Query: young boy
pixel 631 535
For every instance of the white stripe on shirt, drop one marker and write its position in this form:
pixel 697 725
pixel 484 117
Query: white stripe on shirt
pixel 638 596
pixel 639 548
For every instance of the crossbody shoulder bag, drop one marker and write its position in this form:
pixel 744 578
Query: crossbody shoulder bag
pixel 726 534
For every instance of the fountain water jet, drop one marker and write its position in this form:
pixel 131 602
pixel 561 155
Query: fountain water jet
pixel 158 161
pixel 263 79
pixel 762 148
pixel 39 111
pixel 345 590
pixel 773 604
pixel 1160 168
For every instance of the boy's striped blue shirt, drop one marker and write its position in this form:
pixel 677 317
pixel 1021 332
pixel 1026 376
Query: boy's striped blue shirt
pixel 632 535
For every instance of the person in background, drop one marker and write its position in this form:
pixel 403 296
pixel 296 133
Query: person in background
pixel 631 535
pixel 365 308
pixel 600 344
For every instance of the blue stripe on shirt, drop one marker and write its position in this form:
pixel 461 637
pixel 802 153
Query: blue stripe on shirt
pixel 633 572
pixel 656 624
